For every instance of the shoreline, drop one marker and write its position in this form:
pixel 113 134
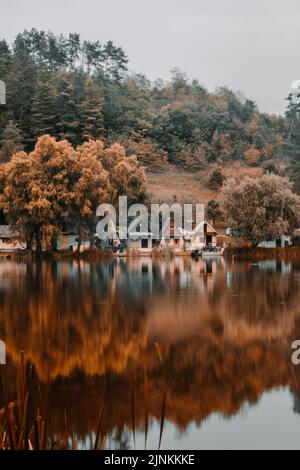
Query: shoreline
pixel 290 253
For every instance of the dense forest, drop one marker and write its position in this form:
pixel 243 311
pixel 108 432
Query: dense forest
pixel 80 90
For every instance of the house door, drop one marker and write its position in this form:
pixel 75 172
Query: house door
pixel 208 239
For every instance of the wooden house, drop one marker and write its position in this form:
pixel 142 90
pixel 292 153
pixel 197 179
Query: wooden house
pixel 204 235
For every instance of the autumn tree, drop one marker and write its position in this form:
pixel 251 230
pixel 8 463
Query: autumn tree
pixel 252 156
pixel 126 176
pixel 36 190
pixel 260 209
pixel 23 200
pixel 91 188
pixel 11 142
pixel 147 152
pixel 56 187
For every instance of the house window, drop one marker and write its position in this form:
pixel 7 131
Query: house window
pixel 144 243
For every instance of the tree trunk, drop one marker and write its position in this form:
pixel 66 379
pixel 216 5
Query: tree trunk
pixel 79 240
pixel 38 243
pixel 54 243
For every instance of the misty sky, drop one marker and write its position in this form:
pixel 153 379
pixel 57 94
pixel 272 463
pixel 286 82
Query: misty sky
pixel 248 45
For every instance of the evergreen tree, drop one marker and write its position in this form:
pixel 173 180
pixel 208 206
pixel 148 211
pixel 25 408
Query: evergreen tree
pixel 11 142
pixel 43 107
pixel 91 111
pixel 67 124
pixel 21 83
pixel 114 63
pixel 5 59
pixel 292 145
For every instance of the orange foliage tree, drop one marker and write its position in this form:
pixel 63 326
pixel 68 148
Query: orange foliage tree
pixel 57 186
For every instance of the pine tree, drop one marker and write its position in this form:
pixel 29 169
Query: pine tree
pixel 43 107
pixel 292 145
pixel 11 142
pixel 91 111
pixel 67 125
pixel 5 59
pixel 21 83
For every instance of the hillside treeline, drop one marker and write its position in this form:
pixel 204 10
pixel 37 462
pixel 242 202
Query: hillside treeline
pixel 80 90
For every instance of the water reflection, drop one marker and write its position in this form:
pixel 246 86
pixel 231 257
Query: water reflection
pixel 224 331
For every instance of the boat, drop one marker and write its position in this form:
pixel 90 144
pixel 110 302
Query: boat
pixel 208 252
pixel 212 254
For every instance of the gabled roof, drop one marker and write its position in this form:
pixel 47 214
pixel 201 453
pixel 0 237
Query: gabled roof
pixel 181 232
pixel 200 228
pixel 165 230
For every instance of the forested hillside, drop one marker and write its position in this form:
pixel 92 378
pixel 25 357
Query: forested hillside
pixel 79 90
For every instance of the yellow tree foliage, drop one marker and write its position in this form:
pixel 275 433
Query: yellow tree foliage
pixel 126 176
pixel 252 156
pixel 55 187
pixel 148 152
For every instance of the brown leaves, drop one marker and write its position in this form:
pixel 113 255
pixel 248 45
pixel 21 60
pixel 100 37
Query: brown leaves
pixel 55 185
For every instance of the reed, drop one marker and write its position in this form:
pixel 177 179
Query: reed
pixel 164 395
pixel 25 422
pixel 98 433
pixel 146 406
pixel 15 430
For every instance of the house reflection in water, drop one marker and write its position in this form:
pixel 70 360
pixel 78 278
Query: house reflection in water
pixel 224 330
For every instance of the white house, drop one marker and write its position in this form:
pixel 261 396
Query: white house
pixel 10 240
pixel 283 241
pixel 203 235
pixel 182 240
pixel 140 243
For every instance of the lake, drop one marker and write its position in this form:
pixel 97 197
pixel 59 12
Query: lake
pixel 198 349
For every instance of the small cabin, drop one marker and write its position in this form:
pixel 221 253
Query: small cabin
pixel 69 242
pixel 10 240
pixel 204 235
pixel 140 243
pixel 282 242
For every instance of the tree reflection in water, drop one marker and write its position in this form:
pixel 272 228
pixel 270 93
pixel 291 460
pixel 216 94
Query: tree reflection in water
pixel 224 330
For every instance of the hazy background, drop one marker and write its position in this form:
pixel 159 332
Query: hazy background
pixel 249 45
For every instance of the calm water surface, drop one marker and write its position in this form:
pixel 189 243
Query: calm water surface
pixel 224 332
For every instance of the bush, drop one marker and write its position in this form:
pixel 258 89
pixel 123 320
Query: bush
pixel 216 179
